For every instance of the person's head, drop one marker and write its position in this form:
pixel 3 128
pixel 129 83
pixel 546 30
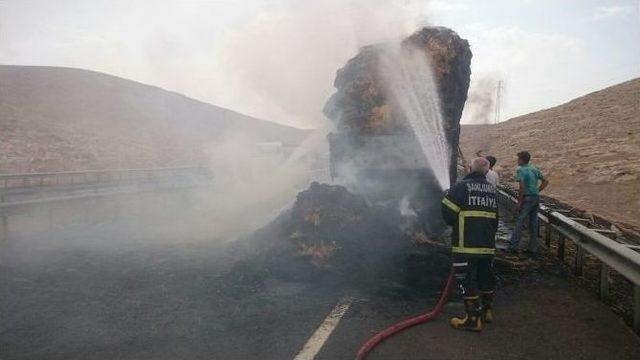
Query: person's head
pixel 492 161
pixel 523 158
pixel 480 165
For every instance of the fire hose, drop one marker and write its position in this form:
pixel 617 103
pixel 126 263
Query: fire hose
pixel 420 319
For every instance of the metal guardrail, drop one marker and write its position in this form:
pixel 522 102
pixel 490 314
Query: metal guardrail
pixel 104 183
pixel 24 180
pixel 7 206
pixel 612 254
pixel 93 184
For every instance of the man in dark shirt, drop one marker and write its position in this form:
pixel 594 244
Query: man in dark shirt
pixel 471 208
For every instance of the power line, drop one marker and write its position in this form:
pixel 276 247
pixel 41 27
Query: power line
pixel 498 98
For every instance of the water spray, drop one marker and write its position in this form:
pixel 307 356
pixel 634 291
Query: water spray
pixel 409 80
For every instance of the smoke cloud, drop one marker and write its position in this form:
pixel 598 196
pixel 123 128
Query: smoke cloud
pixel 480 106
pixel 284 62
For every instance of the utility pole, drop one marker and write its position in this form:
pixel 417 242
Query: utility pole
pixel 497 103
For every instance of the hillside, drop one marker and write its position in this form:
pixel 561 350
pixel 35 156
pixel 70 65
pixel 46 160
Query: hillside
pixel 54 119
pixel 588 147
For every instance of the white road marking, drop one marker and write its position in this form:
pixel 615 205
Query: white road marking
pixel 317 340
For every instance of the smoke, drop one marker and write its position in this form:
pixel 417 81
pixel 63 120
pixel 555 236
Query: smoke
pixel 480 109
pixel 480 106
pixel 257 180
pixel 282 64
pixel 155 253
pixel 405 207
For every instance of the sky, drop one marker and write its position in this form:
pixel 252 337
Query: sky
pixel 276 59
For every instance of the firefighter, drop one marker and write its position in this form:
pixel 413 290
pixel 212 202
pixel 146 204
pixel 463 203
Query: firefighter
pixel 470 207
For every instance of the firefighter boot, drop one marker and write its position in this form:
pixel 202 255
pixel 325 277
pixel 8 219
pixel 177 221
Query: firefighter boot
pixel 471 320
pixel 487 306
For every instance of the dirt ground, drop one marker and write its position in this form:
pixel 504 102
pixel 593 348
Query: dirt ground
pixel 589 148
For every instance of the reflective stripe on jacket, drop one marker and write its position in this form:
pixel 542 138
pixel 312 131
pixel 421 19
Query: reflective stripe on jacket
pixel 471 208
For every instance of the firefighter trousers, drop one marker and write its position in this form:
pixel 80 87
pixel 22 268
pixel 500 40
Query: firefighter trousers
pixel 474 275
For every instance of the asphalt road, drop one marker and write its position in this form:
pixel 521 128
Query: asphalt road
pixel 106 292
pixel 546 318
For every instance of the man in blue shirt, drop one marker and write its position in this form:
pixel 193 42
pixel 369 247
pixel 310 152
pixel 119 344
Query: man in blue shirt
pixel 531 182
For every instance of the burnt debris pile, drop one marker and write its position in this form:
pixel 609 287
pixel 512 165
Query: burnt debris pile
pixel 333 235
pixel 341 233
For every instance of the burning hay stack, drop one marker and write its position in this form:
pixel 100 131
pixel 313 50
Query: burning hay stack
pixel 362 234
pixel 374 148
pixel 362 109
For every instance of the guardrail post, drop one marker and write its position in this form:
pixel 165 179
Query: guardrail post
pixel 547 234
pixel 579 260
pixel 636 308
pixel 604 282
pixel 561 242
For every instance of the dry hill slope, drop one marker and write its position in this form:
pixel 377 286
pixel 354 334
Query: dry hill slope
pixel 54 119
pixel 589 147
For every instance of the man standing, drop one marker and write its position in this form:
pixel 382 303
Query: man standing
pixel 531 182
pixel 470 207
pixel 492 177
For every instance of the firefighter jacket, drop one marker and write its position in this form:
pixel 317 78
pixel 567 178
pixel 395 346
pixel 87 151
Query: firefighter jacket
pixel 471 208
